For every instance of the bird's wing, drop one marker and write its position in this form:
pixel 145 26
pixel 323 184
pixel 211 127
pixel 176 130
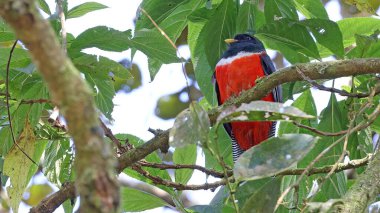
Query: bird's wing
pixel 268 67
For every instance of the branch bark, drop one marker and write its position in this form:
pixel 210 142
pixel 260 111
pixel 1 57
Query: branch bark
pixel 95 164
pixel 365 189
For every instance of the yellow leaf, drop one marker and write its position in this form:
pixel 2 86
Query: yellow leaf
pixel 19 167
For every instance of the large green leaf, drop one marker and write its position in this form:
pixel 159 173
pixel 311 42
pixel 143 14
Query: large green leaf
pixel 134 200
pixel 272 156
pixel 104 92
pixel 174 24
pixel 306 103
pixel 102 37
pixel 157 10
pixel 224 146
pixel 44 6
pixel 219 27
pixel 84 8
pixel 279 9
pixel 20 59
pixel 292 34
pixel 358 25
pixel 153 44
pixel 366 47
pixel 100 67
pixel 250 18
pixel 55 153
pixel 184 155
pixel 327 33
pixel 262 111
pixel 6 34
pixel 330 121
pixel 190 127
pixel 203 71
pixel 311 8
pixel 259 195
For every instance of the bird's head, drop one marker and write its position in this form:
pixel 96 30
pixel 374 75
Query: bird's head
pixel 243 42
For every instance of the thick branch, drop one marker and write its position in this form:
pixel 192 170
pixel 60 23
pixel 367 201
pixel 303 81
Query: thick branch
pixel 50 203
pixel 95 164
pixel 365 189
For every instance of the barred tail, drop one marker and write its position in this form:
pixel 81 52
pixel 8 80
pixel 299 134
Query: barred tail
pixel 237 151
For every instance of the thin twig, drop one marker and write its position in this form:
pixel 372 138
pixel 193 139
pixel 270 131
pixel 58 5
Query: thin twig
pixel 185 166
pixel 108 133
pixel 356 163
pixel 318 131
pixel 178 186
pixel 334 90
pixel 7 102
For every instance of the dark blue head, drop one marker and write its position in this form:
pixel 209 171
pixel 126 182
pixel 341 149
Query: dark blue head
pixel 245 43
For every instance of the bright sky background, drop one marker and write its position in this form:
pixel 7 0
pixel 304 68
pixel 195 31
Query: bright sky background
pixel 134 112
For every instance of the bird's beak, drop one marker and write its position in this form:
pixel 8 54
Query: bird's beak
pixel 230 40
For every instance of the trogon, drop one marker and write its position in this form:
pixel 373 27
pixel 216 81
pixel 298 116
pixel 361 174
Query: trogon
pixel 240 66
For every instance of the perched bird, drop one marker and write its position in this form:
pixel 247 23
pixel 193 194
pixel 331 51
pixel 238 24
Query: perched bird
pixel 244 61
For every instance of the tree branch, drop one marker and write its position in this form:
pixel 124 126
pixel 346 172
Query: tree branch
pixel 326 169
pixel 50 203
pixel 96 180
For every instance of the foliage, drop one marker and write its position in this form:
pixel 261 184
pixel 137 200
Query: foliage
pixel 204 24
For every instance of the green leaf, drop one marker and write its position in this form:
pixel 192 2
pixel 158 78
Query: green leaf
pixel 331 120
pixel 19 167
pixel 84 8
pixel 306 103
pixel 219 27
pixel 212 209
pixel 250 18
pixel 153 44
pixel 104 93
pixel 358 25
pixel 259 161
pixel 224 145
pixel 291 34
pixel 190 127
pixel 102 37
pixel 311 8
pixel 259 195
pixel 20 59
pixel 133 200
pixel 55 153
pixel 174 24
pixel 184 155
pixel 44 6
pixel 154 67
pixel 366 47
pixel 327 33
pixel 100 67
pixel 157 10
pixel 262 111
pixel 203 71
pixel 6 33
pixel 279 9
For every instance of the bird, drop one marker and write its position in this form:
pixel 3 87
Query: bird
pixel 240 66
